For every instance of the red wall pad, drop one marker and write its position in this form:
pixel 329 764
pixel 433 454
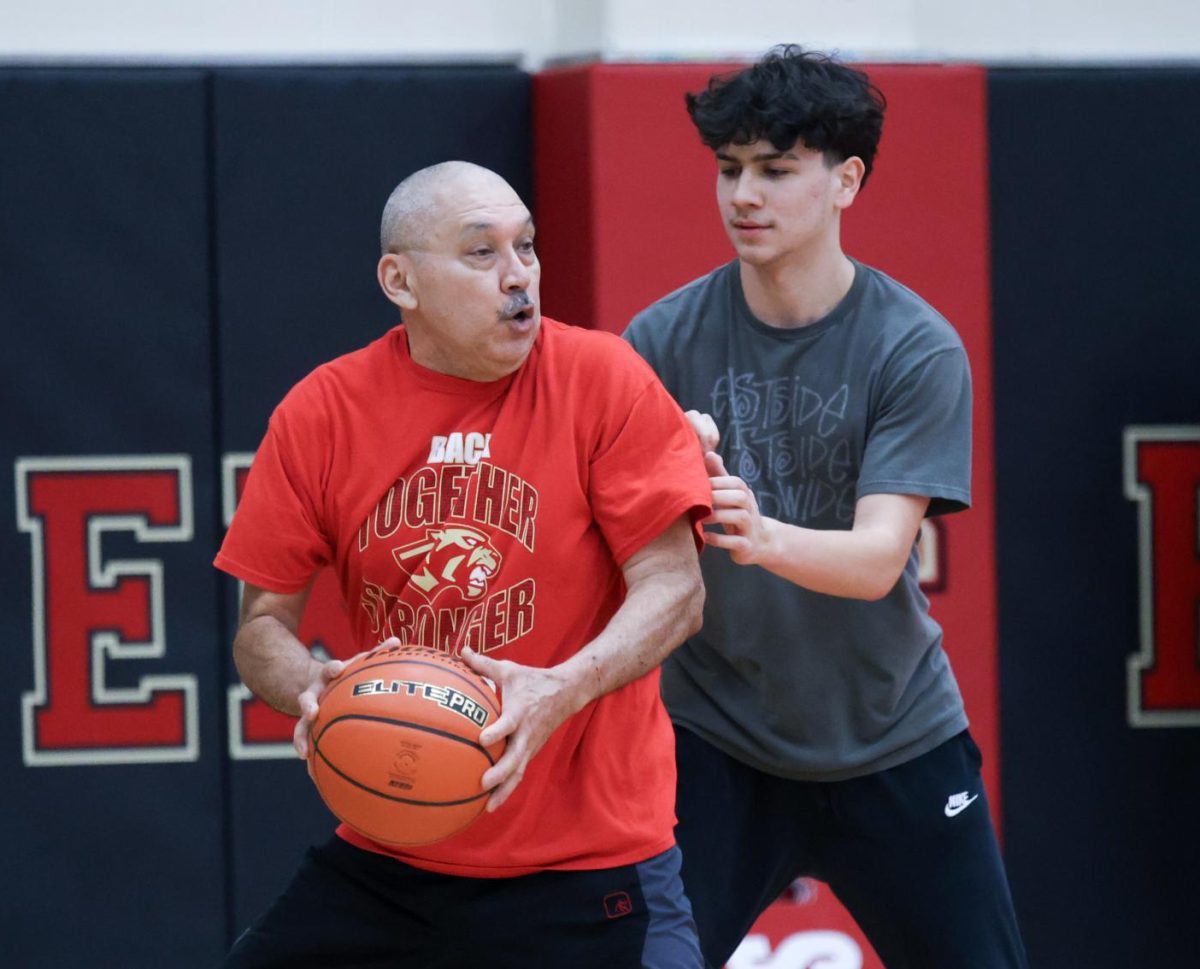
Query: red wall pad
pixel 625 204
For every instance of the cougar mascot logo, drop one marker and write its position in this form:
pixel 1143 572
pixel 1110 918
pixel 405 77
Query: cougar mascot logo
pixel 451 557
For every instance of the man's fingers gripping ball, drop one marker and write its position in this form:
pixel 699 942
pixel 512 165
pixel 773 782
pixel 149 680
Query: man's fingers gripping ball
pixel 309 701
pixel 536 702
pixel 503 777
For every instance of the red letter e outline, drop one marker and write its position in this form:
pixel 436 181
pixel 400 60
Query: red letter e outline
pixel 1162 474
pixel 91 612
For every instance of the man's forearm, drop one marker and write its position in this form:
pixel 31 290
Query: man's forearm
pixel 664 595
pixel 273 663
pixel 658 613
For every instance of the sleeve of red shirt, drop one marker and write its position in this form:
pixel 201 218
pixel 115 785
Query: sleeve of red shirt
pixel 276 540
pixel 647 470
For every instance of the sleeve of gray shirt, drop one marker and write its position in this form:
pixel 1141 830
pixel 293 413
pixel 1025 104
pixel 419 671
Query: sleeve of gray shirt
pixel 920 440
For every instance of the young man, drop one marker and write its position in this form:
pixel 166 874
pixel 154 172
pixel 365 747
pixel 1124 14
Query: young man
pixel 819 728
pixel 539 446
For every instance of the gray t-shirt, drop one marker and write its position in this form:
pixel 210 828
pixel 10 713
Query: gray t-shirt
pixel 873 399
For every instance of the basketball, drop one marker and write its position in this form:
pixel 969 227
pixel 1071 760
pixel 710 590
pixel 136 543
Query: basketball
pixel 395 749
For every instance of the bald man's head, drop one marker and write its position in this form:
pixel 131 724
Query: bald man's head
pixel 459 261
pixel 418 202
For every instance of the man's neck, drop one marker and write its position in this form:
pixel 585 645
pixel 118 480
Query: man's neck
pixel 790 293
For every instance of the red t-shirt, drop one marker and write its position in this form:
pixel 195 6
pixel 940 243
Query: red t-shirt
pixel 495 515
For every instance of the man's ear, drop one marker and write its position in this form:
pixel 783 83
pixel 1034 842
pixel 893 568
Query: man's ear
pixel 849 175
pixel 395 275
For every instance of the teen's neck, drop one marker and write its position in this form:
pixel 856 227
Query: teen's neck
pixel 791 293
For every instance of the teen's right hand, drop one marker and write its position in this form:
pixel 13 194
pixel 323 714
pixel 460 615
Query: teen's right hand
pixel 746 533
pixel 706 430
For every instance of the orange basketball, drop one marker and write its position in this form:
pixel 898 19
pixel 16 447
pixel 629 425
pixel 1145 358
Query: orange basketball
pixel 395 748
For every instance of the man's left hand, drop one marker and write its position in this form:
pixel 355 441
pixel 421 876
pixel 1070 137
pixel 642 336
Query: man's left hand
pixel 535 702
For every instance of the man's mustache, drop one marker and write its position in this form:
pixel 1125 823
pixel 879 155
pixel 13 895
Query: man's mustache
pixel 516 302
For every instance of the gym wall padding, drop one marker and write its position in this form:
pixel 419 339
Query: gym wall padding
pixel 305 160
pixel 113 807
pixel 1096 237
pixel 631 204
pixel 178 247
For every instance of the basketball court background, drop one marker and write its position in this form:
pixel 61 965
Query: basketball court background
pixel 180 245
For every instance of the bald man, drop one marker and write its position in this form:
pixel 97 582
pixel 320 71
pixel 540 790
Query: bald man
pixel 559 450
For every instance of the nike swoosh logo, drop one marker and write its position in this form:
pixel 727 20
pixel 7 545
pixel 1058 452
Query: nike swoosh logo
pixel 954 811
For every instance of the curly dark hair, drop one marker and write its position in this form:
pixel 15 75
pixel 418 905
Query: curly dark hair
pixel 793 95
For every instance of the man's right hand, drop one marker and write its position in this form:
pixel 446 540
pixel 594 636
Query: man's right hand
pixel 309 699
pixel 706 430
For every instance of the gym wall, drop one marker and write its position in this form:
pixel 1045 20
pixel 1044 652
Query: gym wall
pixel 1096 234
pixel 180 245
pixel 630 208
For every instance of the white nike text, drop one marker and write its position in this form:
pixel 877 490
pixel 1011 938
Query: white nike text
pixel 957 803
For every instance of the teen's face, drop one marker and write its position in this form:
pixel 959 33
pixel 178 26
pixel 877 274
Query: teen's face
pixel 472 299
pixel 779 203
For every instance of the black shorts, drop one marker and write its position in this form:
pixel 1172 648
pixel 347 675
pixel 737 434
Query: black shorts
pixel 352 908
pixel 910 852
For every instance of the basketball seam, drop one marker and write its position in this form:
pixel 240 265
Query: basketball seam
pixel 403 723
pixel 392 797
pixel 399 723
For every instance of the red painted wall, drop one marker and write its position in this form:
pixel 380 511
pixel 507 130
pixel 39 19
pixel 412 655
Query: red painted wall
pixel 625 204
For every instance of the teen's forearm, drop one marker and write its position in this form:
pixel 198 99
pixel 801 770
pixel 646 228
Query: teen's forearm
pixel 856 564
